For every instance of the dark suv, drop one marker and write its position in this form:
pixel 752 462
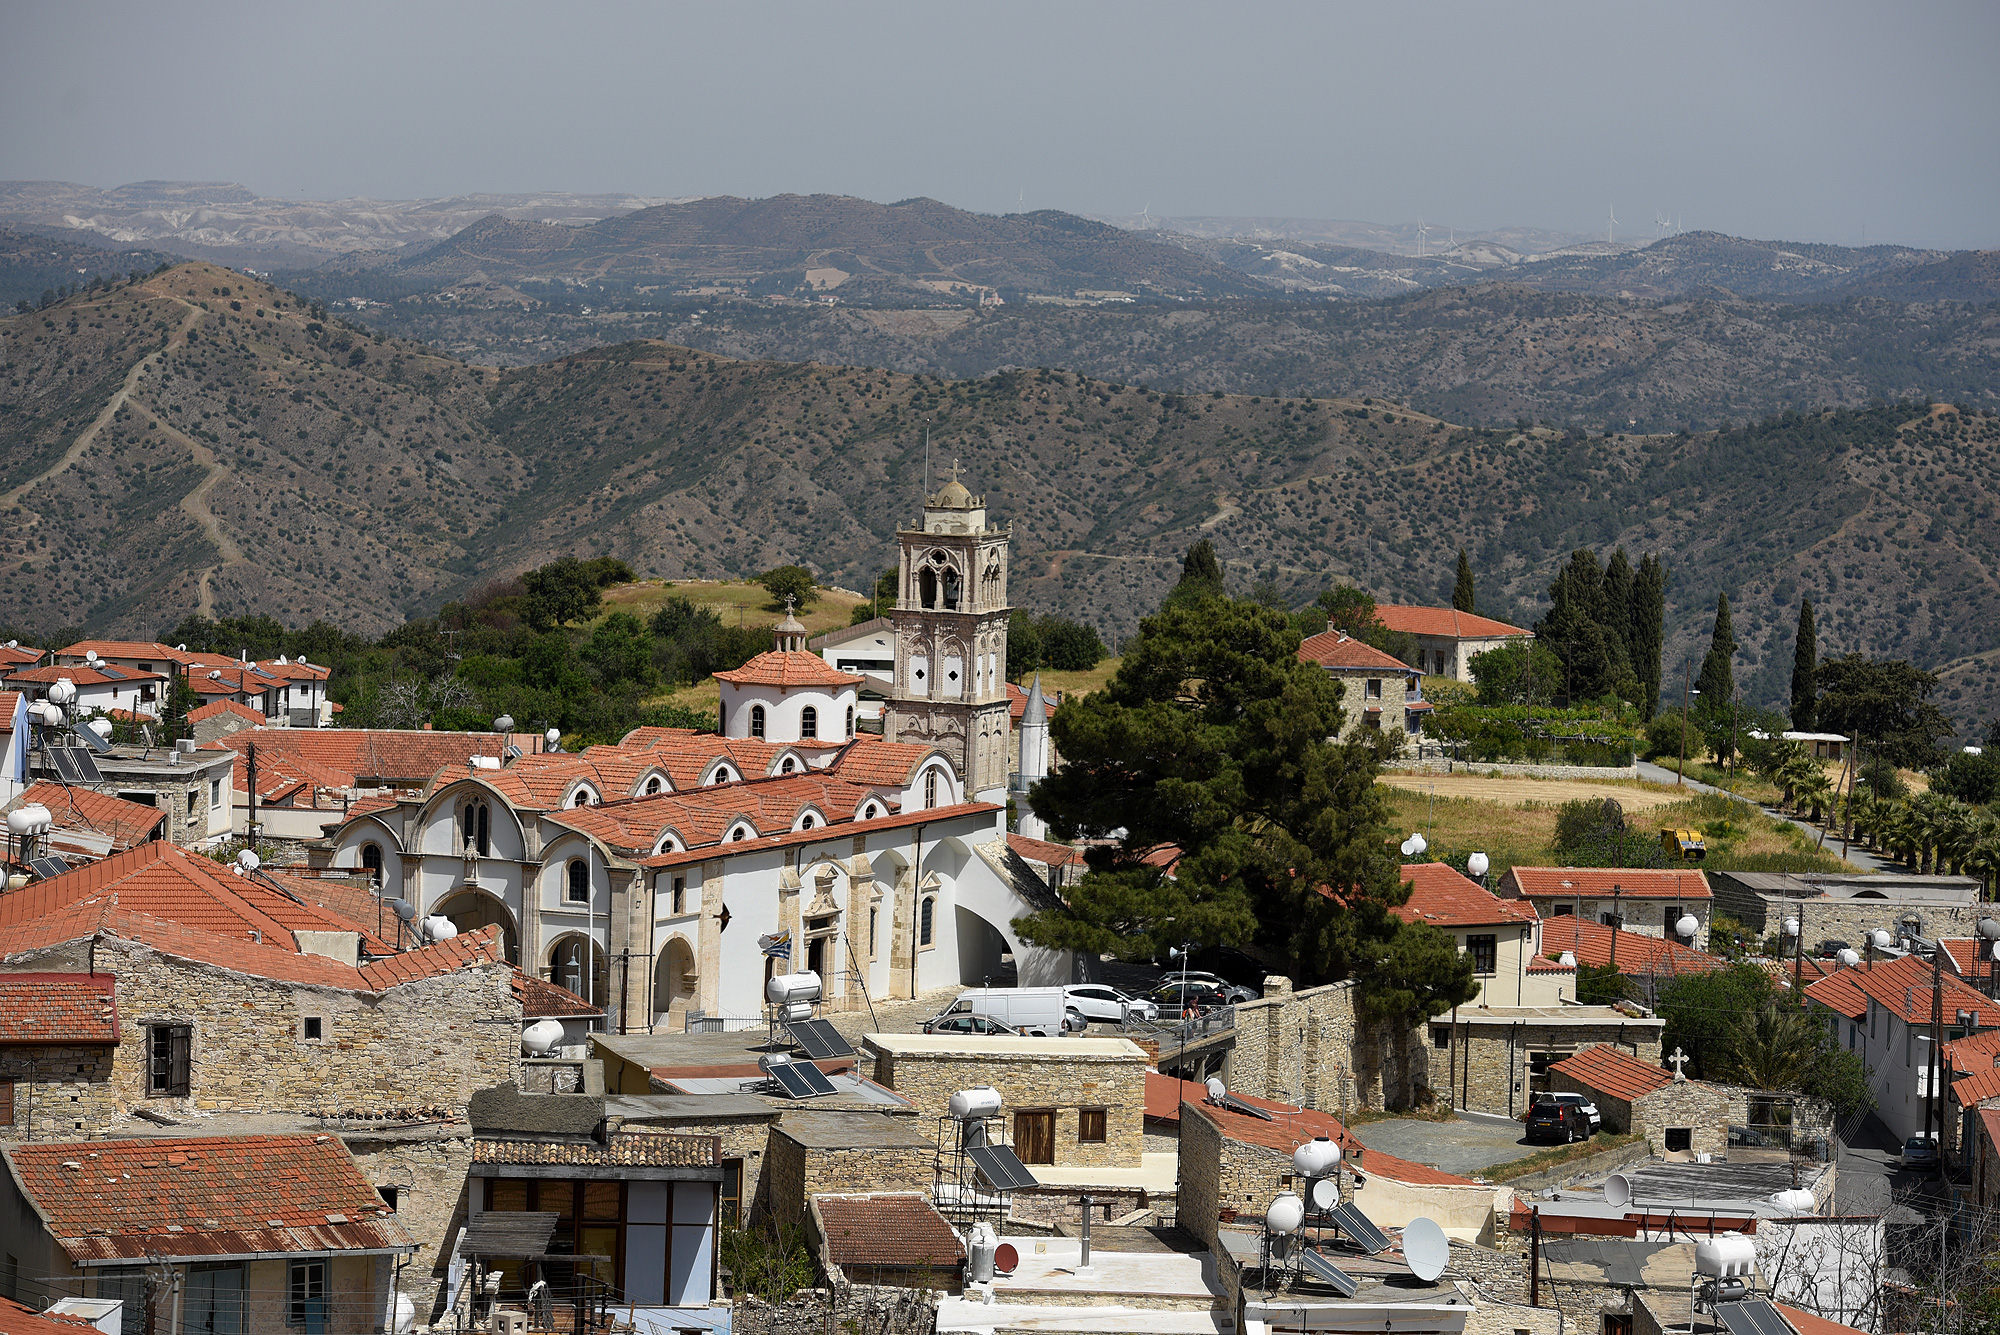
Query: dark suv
pixel 1558 1122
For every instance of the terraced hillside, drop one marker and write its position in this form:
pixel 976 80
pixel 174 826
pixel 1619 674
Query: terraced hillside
pixel 167 445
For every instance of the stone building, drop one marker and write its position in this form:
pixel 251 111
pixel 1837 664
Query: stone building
pixel 189 788
pixel 1675 1116
pixel 950 620
pixel 813 1153
pixel 1648 902
pixel 1071 1101
pixel 1379 693
pixel 312 1245
pixel 1497 1058
pixel 1448 639
pixel 1309 1048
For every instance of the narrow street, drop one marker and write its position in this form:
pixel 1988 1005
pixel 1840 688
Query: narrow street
pixel 1858 857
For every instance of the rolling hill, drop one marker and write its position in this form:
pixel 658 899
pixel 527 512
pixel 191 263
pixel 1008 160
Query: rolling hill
pixel 199 440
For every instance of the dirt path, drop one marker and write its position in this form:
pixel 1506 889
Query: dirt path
pixel 195 506
pixel 1514 792
pixel 110 409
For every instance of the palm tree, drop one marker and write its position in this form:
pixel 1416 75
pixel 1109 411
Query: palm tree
pixel 1773 1051
pixel 1984 859
pixel 1796 770
pixel 1814 792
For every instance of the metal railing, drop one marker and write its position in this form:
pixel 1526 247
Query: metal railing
pixel 701 1022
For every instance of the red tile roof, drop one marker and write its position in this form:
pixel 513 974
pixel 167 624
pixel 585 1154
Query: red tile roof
pixel 1441 896
pixel 1903 987
pixel 58 1008
pixel 1043 851
pixel 897 1229
pixel 1839 991
pixel 10 703
pixel 788 668
pixel 84 676
pixel 1333 649
pixel 217 708
pixel 1017 702
pixel 20 653
pixel 1973 1090
pixel 1805 1323
pixel 16 1319
pixel 204 1196
pixel 1592 942
pixel 1543 964
pixel 1597 883
pixel 162 881
pixel 1612 1071
pixel 541 999
pixel 122 649
pixel 128 824
pixel 407 757
pixel 1974 1052
pixel 1447 622
pixel 898 821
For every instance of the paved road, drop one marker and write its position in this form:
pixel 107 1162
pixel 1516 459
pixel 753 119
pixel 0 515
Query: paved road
pixel 1464 1145
pixel 1856 855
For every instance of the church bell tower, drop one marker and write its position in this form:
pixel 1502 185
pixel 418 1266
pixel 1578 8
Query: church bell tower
pixel 951 639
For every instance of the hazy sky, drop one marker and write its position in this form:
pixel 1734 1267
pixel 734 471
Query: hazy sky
pixel 1806 121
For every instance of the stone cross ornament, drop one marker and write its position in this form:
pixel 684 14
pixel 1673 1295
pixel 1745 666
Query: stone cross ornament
pixel 1678 1059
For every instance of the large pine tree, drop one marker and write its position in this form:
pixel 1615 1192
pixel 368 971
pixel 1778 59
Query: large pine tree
pixel 1717 682
pixel 1648 614
pixel 1805 670
pixel 1462 595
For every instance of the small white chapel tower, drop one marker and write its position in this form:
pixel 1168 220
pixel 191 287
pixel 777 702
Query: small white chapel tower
pixel 951 639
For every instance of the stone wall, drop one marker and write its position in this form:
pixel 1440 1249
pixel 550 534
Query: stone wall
pixel 1513 768
pixel 1699 1107
pixel 1199 1192
pixel 860 1309
pixel 1851 920
pixel 745 1140
pixel 1810 1118
pixel 419 1049
pixel 59 1092
pixel 1062 1078
pixel 1493 1060
pixel 1309 1048
pixel 427 1173
pixel 793 1172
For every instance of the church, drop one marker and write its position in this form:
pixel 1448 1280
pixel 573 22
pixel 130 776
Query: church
pixel 678 870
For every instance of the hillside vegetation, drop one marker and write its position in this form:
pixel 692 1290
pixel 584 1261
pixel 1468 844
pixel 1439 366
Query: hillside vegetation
pixel 167 446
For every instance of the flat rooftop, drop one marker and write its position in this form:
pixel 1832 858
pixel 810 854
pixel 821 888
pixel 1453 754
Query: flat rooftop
pixel 824 1130
pixel 981 1045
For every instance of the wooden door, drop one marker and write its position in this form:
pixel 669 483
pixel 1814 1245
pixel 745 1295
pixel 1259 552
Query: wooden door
pixel 1035 1137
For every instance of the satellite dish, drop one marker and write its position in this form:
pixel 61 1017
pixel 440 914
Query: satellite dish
pixel 553 736
pixel 1426 1248
pixel 1216 1089
pixel 90 656
pixel 248 860
pixel 1477 864
pixel 1618 1191
pixel 1325 1194
pixel 1409 847
pixel 406 910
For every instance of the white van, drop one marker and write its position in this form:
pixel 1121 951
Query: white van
pixel 1042 1012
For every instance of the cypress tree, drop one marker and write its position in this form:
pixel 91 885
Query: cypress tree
pixel 1462 598
pixel 1618 602
pixel 1648 614
pixel 1201 575
pixel 1805 667
pixel 1717 683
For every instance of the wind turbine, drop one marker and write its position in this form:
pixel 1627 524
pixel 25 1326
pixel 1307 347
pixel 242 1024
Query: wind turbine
pixel 1422 232
pixel 1146 216
pixel 1609 225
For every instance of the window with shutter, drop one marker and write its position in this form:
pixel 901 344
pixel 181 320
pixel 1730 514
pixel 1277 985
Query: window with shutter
pixel 168 1047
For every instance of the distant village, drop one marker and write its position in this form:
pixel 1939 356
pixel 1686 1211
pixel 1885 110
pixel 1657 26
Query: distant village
pixel 329 1029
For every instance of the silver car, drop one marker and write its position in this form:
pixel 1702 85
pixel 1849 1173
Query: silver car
pixel 1101 1002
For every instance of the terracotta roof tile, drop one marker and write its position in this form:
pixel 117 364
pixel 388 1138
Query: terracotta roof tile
pixel 899 1229
pixel 1973 1090
pixel 1592 942
pixel 1442 896
pixel 900 820
pixel 128 824
pixel 1543 964
pixel 1805 1323
pixel 1597 883
pixel 1043 851
pixel 1447 622
pixel 1840 992
pixel 83 676
pixel 633 1148
pixel 1333 649
pixel 1974 1052
pixel 1903 987
pixel 15 1319
pixel 541 998
pixel 58 1008
pixel 217 708
pixel 406 757
pixel 1610 1070
pixel 789 668
pixel 122 649
pixel 10 701
pixel 207 1195
pixel 20 654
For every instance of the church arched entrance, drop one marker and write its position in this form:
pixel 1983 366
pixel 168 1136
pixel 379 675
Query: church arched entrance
pixel 469 910
pixel 674 982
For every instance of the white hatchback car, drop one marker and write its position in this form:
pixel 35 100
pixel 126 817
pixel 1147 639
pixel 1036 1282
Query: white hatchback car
pixel 1100 1002
pixel 1589 1108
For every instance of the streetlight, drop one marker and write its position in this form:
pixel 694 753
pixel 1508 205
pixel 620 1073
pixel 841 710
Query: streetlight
pixel 1791 928
pixel 1989 933
pixel 1477 866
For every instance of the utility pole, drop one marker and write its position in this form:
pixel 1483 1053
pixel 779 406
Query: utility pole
pixel 1680 775
pixel 1535 1256
pixel 1931 1109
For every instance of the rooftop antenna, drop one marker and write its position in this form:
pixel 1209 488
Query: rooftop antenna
pixel 1611 224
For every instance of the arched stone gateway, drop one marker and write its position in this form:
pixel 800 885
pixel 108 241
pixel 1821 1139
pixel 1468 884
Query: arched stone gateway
pixel 675 982
pixel 564 966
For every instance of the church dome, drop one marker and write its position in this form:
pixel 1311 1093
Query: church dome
pixel 953 496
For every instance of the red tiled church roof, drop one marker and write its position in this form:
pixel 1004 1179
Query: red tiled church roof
pixel 788 668
pixel 1612 1071
pixel 1445 622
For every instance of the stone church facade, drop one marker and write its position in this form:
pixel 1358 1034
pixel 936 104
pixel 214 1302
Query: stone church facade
pixel 950 619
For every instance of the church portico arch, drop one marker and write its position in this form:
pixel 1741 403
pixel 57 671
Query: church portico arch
pixel 469 910
pixel 676 984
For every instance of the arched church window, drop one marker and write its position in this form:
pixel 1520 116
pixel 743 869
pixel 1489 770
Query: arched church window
pixel 653 785
pixel 756 720
pixel 951 583
pixel 807 822
pixel 371 862
pixel 927 923
pixel 809 723
pixel 927 587
pixel 868 812
pixel 930 788
pixel 850 720
pixel 787 766
pixel 476 828
pixel 579 881
pixel 582 798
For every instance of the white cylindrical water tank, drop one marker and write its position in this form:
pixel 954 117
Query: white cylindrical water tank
pixel 792 987
pixel 982 1244
pixel 1796 1199
pixel 30 819
pixel 402 1314
pixel 1850 958
pixel 795 1010
pixel 437 927
pixel 539 1038
pixel 1287 1212
pixel 1881 939
pixel 1317 1157
pixel 100 726
pixel 1687 926
pixel 979 1101
pixel 1725 1254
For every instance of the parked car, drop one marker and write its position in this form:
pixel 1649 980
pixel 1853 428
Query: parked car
pixel 1831 948
pixel 1226 963
pixel 1920 1152
pixel 1557 1122
pixel 1589 1108
pixel 1234 991
pixel 1040 1012
pixel 1100 1001
pixel 1176 998
pixel 966 1023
